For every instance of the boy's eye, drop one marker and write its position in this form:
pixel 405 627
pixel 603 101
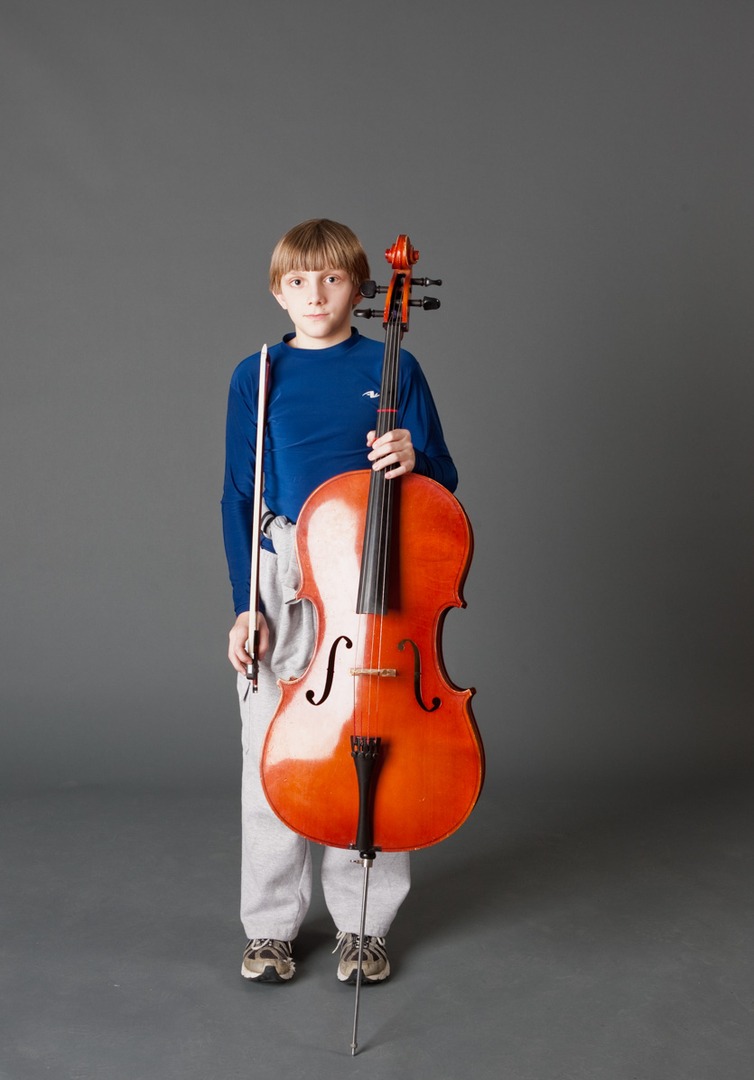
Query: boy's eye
pixel 295 281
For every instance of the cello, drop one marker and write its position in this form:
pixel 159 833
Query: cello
pixel 373 748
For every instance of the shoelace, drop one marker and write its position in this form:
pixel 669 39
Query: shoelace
pixel 280 948
pixel 370 951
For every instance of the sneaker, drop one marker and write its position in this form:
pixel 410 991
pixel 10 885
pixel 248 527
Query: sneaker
pixel 375 966
pixel 268 960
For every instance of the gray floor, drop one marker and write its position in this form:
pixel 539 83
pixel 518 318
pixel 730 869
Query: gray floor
pixel 559 935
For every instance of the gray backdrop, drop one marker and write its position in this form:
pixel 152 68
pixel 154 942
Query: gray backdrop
pixel 579 174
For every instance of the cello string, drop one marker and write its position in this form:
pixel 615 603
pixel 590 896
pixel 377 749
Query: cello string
pixel 379 524
pixel 379 521
pixel 388 417
pixel 371 634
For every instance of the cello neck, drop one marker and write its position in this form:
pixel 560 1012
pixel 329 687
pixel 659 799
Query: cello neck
pixel 372 596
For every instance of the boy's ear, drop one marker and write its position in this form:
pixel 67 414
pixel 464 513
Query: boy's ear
pixel 279 297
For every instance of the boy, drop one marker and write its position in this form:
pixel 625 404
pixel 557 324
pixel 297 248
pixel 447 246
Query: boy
pixel 321 410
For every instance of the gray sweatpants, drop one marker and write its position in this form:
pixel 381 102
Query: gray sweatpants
pixel 276 864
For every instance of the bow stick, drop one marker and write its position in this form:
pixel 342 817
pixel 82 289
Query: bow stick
pixel 252 645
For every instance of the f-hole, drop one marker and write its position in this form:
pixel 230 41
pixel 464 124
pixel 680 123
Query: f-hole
pixel 330 671
pixel 436 702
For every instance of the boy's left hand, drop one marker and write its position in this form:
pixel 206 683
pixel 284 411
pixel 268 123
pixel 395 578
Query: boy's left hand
pixel 393 451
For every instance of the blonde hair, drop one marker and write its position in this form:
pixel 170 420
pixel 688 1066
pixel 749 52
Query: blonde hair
pixel 319 244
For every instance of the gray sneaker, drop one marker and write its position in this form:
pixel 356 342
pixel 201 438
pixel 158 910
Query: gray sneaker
pixel 375 966
pixel 268 960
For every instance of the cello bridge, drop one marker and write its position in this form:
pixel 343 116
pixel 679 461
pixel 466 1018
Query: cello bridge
pixel 385 672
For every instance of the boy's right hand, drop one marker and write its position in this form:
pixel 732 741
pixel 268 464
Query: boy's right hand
pixel 238 639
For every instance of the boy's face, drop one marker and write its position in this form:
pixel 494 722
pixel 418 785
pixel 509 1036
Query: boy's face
pixel 319 303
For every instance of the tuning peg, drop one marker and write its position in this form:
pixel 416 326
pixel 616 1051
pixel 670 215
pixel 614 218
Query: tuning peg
pixel 425 281
pixel 369 289
pixel 429 303
pixel 367 313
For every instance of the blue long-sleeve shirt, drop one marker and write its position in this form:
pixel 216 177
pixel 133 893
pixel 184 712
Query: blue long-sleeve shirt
pixel 320 405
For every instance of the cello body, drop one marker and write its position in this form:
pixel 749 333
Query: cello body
pixel 431 769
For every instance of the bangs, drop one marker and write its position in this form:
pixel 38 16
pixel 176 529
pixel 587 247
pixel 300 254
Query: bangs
pixel 311 256
pixel 319 244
